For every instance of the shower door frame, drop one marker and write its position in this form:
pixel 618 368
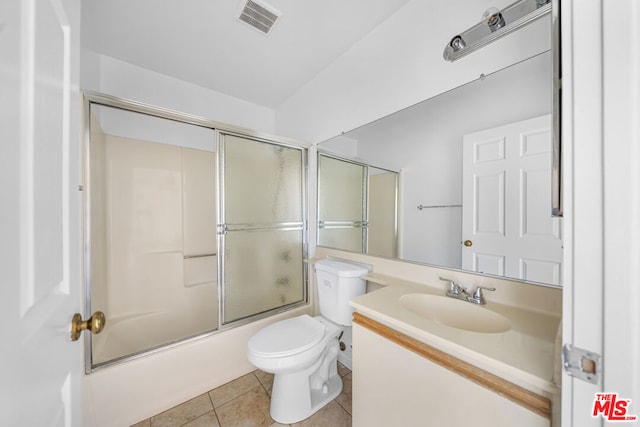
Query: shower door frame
pixel 219 128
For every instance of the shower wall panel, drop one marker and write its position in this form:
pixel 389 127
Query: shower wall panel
pixel 153 249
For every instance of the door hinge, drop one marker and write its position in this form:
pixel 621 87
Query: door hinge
pixel 583 364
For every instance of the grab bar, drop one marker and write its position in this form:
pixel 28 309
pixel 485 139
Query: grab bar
pixel 199 256
pixel 420 207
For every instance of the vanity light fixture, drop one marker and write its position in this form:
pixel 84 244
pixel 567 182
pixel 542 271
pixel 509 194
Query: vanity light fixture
pixel 493 18
pixel 495 24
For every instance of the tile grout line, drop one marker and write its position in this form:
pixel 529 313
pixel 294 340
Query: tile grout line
pixel 343 408
pixel 213 407
pixel 240 395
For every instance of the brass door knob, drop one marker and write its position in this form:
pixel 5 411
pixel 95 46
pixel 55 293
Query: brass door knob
pixel 95 324
pixel 468 243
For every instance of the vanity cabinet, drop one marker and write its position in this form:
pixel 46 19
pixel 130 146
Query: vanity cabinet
pixel 395 385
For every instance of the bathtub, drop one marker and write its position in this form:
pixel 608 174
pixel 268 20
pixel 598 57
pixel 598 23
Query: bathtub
pixel 127 335
pixel 132 390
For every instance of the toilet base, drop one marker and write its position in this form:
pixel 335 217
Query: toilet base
pixel 298 395
pixel 294 410
pixel 320 400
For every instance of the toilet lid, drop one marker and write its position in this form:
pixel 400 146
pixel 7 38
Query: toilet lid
pixel 287 337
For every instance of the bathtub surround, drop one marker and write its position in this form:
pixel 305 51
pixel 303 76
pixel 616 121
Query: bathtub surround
pixel 154 255
pixel 183 369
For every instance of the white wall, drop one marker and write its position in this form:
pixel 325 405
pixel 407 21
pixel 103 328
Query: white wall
pixel 399 64
pixel 110 76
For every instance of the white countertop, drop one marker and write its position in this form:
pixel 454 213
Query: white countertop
pixel 524 355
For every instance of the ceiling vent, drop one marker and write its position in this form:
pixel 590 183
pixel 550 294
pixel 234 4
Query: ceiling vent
pixel 259 15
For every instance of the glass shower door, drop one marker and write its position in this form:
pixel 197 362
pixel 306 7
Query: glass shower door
pixel 151 234
pixel 262 230
pixel 342 204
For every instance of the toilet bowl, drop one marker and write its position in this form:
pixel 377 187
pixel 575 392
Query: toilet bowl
pixel 302 351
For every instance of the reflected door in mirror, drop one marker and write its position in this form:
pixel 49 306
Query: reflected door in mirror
pixel 506 199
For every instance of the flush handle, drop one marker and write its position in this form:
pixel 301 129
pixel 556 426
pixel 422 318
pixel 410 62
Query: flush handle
pixel 95 324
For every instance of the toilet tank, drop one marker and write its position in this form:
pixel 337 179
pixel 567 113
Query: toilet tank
pixel 338 282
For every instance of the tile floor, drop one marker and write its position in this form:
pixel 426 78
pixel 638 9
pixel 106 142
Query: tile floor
pixel 245 402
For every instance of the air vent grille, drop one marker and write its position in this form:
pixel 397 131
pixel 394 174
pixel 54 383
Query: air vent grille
pixel 259 15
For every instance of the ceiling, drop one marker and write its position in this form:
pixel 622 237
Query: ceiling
pixel 202 42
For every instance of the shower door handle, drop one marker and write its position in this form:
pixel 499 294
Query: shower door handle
pixel 95 324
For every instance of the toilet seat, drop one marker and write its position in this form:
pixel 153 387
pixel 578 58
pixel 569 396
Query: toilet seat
pixel 287 337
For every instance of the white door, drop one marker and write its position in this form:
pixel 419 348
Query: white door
pixel 601 169
pixel 507 225
pixel 39 213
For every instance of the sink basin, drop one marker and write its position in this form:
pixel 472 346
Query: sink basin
pixel 455 313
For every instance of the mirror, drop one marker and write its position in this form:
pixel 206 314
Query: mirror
pixel 357 207
pixel 463 203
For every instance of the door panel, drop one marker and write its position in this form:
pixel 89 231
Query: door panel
pixel 39 213
pixel 489 204
pixel 488 263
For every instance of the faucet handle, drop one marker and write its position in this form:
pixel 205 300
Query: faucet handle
pixel 452 284
pixel 478 297
pixel 454 288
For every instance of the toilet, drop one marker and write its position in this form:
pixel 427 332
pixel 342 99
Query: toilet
pixel 302 351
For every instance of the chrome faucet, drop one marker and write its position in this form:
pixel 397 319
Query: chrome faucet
pixel 455 290
pixel 458 291
pixel 478 297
